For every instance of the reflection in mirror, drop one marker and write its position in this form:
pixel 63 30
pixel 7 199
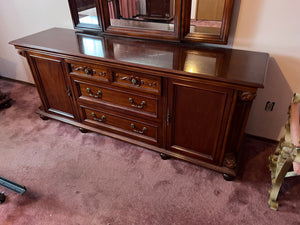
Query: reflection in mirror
pixel 206 16
pixel 87 12
pixel 203 63
pixel 91 46
pixel 146 56
pixel 147 14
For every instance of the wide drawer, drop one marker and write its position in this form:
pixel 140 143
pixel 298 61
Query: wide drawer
pixel 137 81
pixel 119 123
pixel 89 70
pixel 105 95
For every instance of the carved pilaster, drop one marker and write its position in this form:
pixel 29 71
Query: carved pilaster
pixel 21 53
pixel 246 96
pixel 230 161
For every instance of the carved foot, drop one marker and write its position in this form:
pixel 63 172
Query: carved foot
pixel 273 204
pixel 44 117
pixel 164 156
pixel 2 197
pixel 228 177
pixel 7 105
pixel 82 130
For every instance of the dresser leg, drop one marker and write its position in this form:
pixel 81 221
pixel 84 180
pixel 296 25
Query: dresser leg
pixel 44 117
pixel 164 156
pixel 228 177
pixel 2 197
pixel 82 130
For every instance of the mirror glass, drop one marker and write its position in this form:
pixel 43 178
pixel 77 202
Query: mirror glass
pixel 207 16
pixel 87 12
pixel 146 14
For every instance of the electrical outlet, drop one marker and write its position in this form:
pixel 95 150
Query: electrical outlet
pixel 269 106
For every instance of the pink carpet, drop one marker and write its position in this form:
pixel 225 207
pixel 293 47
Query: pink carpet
pixel 75 178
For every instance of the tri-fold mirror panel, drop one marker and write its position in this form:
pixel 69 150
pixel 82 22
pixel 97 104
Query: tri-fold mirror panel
pixel 177 20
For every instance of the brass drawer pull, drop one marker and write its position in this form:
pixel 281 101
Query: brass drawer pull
pixel 143 103
pixel 138 131
pixel 103 118
pixel 99 93
pixel 103 74
pixel 133 81
pixel 87 71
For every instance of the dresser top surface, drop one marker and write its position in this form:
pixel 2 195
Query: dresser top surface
pixel 230 65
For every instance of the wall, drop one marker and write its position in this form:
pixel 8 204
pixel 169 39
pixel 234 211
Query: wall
pixel 260 25
pixel 270 26
pixel 19 18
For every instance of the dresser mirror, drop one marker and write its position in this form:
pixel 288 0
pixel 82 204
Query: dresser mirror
pixel 142 14
pixel 206 20
pixel 201 20
pixel 85 14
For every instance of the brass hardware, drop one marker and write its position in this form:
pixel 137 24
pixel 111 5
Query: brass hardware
pixel 133 81
pixel 69 92
pixel 103 74
pixel 103 118
pixel 99 93
pixel 138 131
pixel 22 53
pixel 168 117
pixel 86 71
pixel 143 103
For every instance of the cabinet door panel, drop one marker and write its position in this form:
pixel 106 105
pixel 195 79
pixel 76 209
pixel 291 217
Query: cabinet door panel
pixel 198 119
pixel 51 83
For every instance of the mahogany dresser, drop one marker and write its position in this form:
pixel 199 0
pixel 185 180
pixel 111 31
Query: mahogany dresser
pixel 186 102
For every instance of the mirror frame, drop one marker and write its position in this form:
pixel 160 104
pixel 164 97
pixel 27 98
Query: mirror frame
pixel 85 26
pixel 206 38
pixel 181 24
pixel 140 32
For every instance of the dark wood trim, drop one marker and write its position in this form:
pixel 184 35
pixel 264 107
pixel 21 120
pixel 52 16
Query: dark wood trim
pixel 198 37
pixel 140 32
pixel 248 86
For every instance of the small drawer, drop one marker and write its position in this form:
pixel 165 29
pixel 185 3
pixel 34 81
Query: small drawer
pixel 89 70
pixel 118 123
pixel 137 81
pixel 142 104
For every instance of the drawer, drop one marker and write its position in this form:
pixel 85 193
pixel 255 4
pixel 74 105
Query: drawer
pixel 142 104
pixel 89 70
pixel 119 123
pixel 140 82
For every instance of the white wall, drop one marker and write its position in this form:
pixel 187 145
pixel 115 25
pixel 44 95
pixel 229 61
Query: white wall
pixel 260 25
pixel 19 18
pixel 271 26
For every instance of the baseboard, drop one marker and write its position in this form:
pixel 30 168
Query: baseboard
pixel 270 141
pixel 18 81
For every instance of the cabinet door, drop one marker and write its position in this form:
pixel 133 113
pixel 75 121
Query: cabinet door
pixel 52 85
pixel 197 120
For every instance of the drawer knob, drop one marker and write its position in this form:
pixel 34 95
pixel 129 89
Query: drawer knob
pixel 98 95
pixel 133 104
pixel 138 131
pixel 87 71
pixel 133 81
pixel 103 74
pixel 103 118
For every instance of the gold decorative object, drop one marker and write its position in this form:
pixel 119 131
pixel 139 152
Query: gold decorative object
pixel 282 160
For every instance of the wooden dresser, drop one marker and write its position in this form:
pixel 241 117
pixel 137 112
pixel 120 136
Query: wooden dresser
pixel 187 102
